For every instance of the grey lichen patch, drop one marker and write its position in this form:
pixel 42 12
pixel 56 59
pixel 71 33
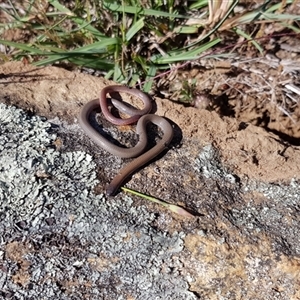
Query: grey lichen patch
pixel 278 214
pixel 76 245
pixel 209 165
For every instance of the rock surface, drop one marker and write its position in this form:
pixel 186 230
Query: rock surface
pixel 63 238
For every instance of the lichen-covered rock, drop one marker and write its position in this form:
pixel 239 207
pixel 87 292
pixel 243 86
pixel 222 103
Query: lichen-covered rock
pixel 60 240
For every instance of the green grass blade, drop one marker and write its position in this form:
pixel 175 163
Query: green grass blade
pixel 149 79
pixel 249 38
pixel 60 7
pixel 51 60
pixel 257 15
pixel 86 61
pixel 93 62
pixel 292 27
pixel 188 55
pixel 281 17
pixel 140 11
pixel 94 48
pixel 117 76
pixel 278 6
pixel 199 4
pixel 109 74
pixel 134 80
pixel 186 29
pixel 87 26
pixel 134 29
pixel 174 208
pixel 97 47
pixel 24 47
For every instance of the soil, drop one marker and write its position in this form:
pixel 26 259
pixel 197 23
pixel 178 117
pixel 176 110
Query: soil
pixel 262 91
